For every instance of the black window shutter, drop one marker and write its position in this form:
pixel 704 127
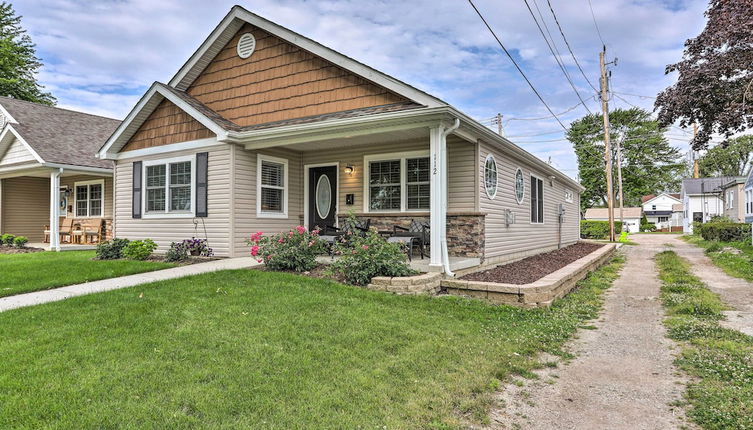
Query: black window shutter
pixel 136 202
pixel 540 195
pixel 202 167
pixel 534 199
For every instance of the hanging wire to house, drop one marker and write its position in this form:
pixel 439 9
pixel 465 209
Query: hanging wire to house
pixel 593 16
pixel 554 51
pixel 515 63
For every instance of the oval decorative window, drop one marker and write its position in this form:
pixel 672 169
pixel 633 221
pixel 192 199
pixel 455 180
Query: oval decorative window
pixel 520 186
pixel 490 176
pixel 246 45
pixel 323 196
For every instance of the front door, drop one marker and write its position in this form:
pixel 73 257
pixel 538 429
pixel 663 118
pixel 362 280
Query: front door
pixel 322 196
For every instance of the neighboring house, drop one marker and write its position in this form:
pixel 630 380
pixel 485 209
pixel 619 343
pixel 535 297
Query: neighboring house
pixel 264 129
pixel 48 168
pixel 748 190
pixel 734 199
pixel 659 210
pixel 702 200
pixel 631 217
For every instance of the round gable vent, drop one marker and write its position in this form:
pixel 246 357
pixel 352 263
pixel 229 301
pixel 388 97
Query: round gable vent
pixel 246 45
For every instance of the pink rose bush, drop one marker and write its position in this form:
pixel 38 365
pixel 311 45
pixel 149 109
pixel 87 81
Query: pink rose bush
pixel 294 250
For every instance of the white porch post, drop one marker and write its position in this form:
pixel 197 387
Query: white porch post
pixel 436 137
pixel 55 210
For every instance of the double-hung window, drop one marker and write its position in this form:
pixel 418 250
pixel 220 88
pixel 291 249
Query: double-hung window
pixel 537 200
pixel 272 187
pixel 397 182
pixel 169 186
pixel 89 199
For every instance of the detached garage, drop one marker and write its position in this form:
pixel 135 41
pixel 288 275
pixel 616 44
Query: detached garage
pixel 631 216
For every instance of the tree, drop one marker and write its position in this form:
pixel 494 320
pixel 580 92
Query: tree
pixel 715 84
pixel 730 158
pixel 650 164
pixel 18 61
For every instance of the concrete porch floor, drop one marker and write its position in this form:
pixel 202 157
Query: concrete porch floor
pixel 63 246
pixel 422 265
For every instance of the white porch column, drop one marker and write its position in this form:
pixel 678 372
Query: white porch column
pixel 55 210
pixel 436 136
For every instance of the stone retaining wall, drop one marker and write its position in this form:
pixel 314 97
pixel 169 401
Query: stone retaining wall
pixel 427 283
pixel 537 294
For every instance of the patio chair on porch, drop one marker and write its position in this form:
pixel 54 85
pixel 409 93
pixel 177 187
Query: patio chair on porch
pixel 65 229
pixel 93 230
pixel 414 236
pixel 331 234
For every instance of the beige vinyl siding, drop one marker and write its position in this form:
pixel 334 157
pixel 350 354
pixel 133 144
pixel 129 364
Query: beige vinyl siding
pixel 169 229
pixel 245 218
pixel 523 238
pixel 16 153
pixel 25 207
pixel 108 192
pixel 461 181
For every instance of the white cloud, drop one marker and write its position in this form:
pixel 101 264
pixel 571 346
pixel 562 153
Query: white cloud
pixel 101 56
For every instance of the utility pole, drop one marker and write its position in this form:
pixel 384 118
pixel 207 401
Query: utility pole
pixel 696 165
pixel 619 178
pixel 607 152
pixel 499 124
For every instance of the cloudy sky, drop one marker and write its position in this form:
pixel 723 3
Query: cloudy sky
pixel 100 56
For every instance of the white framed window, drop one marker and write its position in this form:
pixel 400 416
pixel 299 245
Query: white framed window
pixel 490 176
pixel 663 219
pixel 537 200
pixel 568 196
pixel 89 199
pixel 271 187
pixel 169 186
pixel 520 186
pixel 653 207
pixel 398 182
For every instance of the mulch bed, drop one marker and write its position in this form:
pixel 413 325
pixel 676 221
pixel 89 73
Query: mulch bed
pixel 4 249
pixel 533 268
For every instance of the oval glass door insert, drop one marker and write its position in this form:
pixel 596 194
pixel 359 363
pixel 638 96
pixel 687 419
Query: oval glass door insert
pixel 323 196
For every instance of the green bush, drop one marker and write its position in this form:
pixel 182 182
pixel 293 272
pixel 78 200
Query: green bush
pixel 7 239
pixel 597 229
pixel 645 225
pixel 111 250
pixel 178 252
pixel 367 256
pixel 294 250
pixel 139 249
pixel 723 231
pixel 20 241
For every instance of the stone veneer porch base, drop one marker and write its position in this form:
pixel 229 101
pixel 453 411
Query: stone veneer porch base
pixel 537 294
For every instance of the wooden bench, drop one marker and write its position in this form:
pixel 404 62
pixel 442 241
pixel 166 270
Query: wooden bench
pixel 72 230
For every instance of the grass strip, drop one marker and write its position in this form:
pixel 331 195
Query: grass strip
pixel 719 360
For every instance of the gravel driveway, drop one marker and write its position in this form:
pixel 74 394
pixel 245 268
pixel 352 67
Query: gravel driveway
pixel 622 376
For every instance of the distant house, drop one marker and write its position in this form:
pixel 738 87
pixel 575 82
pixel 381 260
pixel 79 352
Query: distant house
pixel 49 174
pixel 631 216
pixel 659 210
pixel 702 199
pixel 734 199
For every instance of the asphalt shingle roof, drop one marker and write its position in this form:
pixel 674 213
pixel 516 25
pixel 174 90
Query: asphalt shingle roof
pixel 704 185
pixel 61 135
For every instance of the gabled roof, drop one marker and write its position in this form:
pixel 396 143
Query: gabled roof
pixel 704 185
pixel 603 213
pixel 648 198
pixel 734 181
pixel 56 135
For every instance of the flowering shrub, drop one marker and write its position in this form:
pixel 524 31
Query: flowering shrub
pixel 294 250
pixel 177 252
pixel 366 256
pixel 197 247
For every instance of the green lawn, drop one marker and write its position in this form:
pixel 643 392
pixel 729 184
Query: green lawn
pixel 24 273
pixel 256 349
pixel 719 360
pixel 737 265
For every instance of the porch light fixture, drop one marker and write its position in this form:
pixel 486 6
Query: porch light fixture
pixel 349 169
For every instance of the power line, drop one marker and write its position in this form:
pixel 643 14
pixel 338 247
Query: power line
pixel 555 55
pixel 568 45
pixel 590 6
pixel 516 64
pixel 570 109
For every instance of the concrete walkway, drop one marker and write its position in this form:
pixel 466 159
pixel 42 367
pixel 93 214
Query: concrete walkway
pixel 622 376
pixel 54 295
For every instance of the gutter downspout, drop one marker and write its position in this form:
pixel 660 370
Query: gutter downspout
pixel 445 191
